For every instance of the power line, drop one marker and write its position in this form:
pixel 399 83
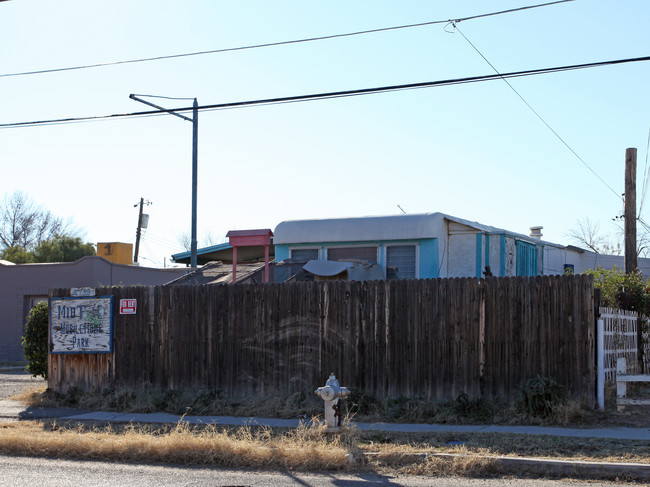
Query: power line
pixel 645 175
pixel 280 43
pixel 334 94
pixel 559 137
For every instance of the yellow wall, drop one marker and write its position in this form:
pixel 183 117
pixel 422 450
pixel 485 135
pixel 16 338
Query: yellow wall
pixel 116 252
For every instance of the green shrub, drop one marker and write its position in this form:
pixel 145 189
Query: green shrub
pixel 475 410
pixel 621 290
pixel 35 340
pixel 540 396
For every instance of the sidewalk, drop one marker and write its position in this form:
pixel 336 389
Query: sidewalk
pixel 14 410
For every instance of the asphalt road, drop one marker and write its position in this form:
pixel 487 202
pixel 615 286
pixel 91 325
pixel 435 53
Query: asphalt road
pixel 15 381
pixel 21 471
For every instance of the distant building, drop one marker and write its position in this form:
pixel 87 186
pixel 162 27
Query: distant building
pixel 432 245
pixel 24 285
pixel 410 246
pixel 116 252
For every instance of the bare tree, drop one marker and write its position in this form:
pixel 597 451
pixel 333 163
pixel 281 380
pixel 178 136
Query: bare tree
pixel 209 239
pixel 25 224
pixel 587 234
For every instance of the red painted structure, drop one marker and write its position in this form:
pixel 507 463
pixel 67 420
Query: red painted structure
pixel 249 238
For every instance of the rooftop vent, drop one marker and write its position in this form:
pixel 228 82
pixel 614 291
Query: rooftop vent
pixel 536 232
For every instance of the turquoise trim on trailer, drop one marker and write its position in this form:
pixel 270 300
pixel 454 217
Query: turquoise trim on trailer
pixel 436 260
pixel 429 259
pixel 428 252
pixel 479 251
pixel 281 252
pixel 487 250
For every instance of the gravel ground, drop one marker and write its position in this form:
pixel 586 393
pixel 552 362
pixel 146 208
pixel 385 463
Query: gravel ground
pixel 13 382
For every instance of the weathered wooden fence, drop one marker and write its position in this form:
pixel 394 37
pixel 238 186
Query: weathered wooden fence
pixel 427 338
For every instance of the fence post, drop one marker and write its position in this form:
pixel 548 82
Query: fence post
pixel 600 363
pixel 621 387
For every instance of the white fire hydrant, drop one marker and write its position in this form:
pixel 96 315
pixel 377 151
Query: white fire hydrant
pixel 332 393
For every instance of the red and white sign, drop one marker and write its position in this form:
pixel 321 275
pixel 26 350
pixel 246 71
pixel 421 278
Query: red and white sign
pixel 128 306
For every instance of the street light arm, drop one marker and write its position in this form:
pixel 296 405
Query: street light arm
pixel 195 137
pixel 172 112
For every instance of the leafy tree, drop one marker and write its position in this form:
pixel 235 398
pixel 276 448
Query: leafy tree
pixel 620 290
pixel 17 255
pixel 35 340
pixel 62 249
pixel 25 224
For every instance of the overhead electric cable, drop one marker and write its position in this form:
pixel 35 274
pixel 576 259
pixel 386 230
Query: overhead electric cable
pixel 537 114
pixel 280 43
pixel 645 225
pixel 645 175
pixel 334 94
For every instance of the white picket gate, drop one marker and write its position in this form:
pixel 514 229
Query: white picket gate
pixel 617 338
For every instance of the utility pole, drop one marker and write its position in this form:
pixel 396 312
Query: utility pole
pixel 631 264
pixel 195 151
pixel 630 211
pixel 138 233
pixel 195 156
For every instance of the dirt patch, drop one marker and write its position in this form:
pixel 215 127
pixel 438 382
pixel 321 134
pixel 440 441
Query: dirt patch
pixel 15 381
pixel 633 417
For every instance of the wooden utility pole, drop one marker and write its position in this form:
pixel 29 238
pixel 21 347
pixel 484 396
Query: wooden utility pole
pixel 138 233
pixel 630 211
pixel 630 238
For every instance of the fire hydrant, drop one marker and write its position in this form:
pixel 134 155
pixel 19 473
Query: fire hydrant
pixel 332 393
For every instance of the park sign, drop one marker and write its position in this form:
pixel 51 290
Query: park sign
pixel 81 325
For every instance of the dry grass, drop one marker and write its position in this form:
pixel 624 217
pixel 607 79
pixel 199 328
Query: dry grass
pixel 361 407
pixel 306 448
pixel 31 396
pixel 461 465
pixel 200 403
pixel 507 445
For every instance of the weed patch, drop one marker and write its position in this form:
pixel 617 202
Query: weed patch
pixel 306 448
pixel 358 407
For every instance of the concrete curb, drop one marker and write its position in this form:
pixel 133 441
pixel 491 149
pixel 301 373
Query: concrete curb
pixel 642 434
pixel 541 466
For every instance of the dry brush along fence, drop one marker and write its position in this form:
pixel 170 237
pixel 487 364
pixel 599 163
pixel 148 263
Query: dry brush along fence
pixel 432 339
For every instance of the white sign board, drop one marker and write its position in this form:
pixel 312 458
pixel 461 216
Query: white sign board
pixel 81 325
pixel 82 291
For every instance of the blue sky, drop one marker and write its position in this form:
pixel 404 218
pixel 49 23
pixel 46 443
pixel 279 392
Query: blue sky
pixel 474 151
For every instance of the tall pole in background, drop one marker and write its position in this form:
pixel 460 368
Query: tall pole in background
pixel 195 167
pixel 138 233
pixel 630 211
pixel 195 152
pixel 143 222
pixel 631 263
